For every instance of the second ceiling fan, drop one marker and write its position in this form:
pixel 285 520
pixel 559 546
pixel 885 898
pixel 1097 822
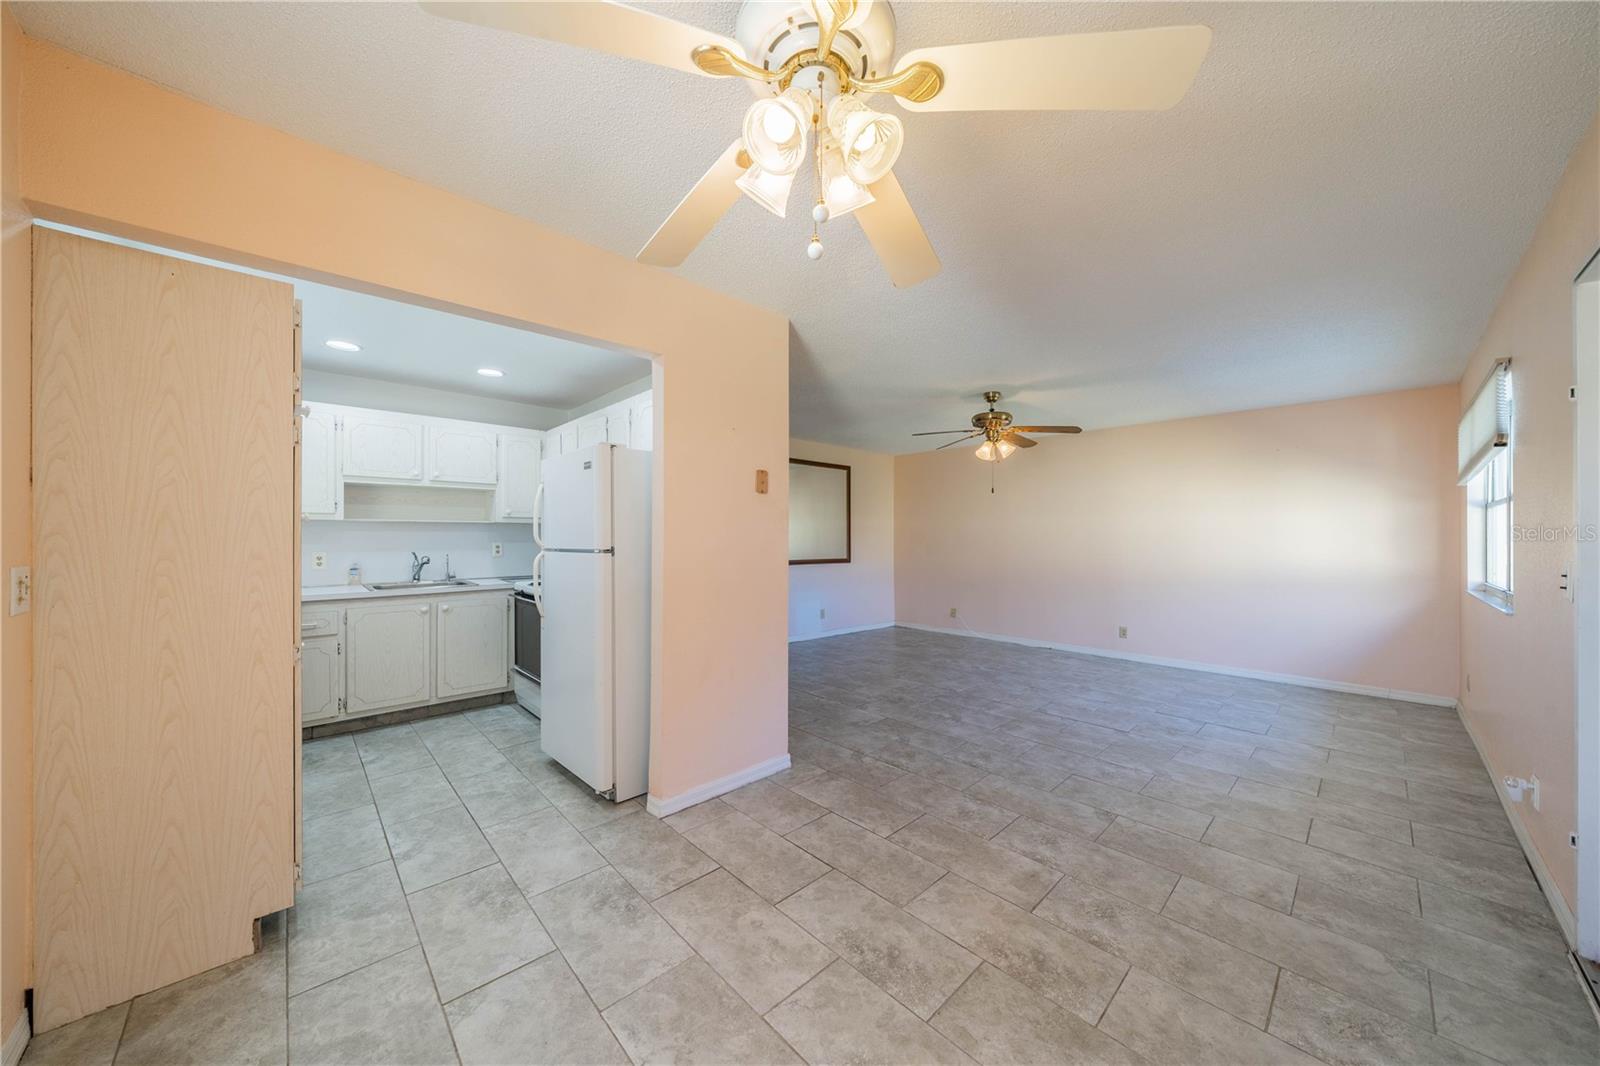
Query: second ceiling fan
pixel 812 63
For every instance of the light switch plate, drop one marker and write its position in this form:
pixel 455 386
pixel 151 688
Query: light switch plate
pixel 497 549
pixel 21 589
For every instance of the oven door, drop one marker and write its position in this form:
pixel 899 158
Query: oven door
pixel 526 628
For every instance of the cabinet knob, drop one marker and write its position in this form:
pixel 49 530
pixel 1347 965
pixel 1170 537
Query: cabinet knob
pixel 422 610
pixel 444 608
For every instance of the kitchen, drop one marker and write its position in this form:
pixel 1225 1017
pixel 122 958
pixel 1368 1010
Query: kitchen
pixel 422 497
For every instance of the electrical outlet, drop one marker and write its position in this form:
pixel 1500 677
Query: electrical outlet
pixel 496 549
pixel 822 612
pixel 952 612
pixel 319 560
pixel 1122 632
pixel 21 589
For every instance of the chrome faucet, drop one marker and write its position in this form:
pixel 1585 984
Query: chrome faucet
pixel 449 574
pixel 417 565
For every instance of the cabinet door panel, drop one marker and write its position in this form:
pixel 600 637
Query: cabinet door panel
pixel 591 430
pixel 642 423
pixel 388 660
pixel 386 447
pixel 519 476
pixel 473 646
pixel 321 680
pixel 320 482
pixel 461 454
pixel 617 428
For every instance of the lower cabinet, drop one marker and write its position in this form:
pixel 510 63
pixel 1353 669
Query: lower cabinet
pixel 389 655
pixel 473 653
pixel 388 664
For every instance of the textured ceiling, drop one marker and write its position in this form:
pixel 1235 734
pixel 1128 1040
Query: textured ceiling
pixel 1332 210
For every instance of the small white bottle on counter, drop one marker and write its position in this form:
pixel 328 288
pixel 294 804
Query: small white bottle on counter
pixel 355 574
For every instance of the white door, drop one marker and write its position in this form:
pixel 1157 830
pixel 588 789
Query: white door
pixel 386 447
pixel 462 454
pixel 575 657
pixel 321 680
pixel 320 484
pixel 591 430
pixel 617 426
pixel 642 422
pixel 473 646
pixel 519 475
pixel 387 655
pixel 576 511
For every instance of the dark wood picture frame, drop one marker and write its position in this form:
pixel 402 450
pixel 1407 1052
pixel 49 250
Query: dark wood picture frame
pixel 847 517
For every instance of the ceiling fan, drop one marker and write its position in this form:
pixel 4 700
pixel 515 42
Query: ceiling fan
pixel 1000 437
pixel 812 63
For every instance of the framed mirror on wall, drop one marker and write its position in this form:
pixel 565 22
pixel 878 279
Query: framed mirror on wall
pixel 819 512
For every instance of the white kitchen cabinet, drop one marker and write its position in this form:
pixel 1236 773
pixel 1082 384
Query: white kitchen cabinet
pixel 321 483
pixel 642 421
pixel 387 655
pixel 462 453
pixel 617 425
pixel 382 446
pixel 591 430
pixel 473 646
pixel 321 665
pixel 519 475
pixel 567 438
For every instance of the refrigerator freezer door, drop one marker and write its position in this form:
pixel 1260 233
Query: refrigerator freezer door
pixel 577 657
pixel 577 500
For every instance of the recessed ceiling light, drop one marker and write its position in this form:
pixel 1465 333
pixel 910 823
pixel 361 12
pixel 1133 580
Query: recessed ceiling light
pixel 342 345
pixel 491 372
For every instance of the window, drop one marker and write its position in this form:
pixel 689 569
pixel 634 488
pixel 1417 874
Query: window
pixel 1485 453
pixel 1489 510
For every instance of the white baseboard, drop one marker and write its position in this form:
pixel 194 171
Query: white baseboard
pixel 712 789
pixel 16 1041
pixel 1541 872
pixel 841 632
pixel 1207 668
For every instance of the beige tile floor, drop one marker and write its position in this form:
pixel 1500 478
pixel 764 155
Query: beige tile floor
pixel 982 852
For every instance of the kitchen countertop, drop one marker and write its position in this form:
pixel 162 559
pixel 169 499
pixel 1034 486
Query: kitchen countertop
pixel 327 593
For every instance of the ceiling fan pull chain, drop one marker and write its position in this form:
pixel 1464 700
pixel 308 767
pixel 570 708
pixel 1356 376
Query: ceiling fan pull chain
pixel 819 213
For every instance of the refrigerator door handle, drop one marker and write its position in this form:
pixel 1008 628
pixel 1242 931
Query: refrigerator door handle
pixel 538 513
pixel 538 585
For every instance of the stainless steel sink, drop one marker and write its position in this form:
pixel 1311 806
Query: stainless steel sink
pixel 384 586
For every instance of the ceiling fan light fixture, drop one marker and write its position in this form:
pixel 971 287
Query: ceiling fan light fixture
pixel 992 451
pixel 769 190
pixel 841 194
pixel 775 131
pixel 870 141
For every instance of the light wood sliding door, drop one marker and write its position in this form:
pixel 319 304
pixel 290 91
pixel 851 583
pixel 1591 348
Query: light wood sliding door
pixel 165 601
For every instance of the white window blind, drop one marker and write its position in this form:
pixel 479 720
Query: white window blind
pixel 1486 425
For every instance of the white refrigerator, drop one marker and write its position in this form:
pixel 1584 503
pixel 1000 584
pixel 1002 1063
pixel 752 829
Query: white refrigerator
pixel 592 526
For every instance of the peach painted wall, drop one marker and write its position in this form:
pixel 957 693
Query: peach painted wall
pixel 1517 689
pixel 1318 541
pixel 107 150
pixel 859 593
pixel 16 548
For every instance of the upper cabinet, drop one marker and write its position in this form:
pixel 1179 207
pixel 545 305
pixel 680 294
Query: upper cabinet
pixel 462 453
pixel 642 421
pixel 519 475
pixel 381 446
pixel 321 486
pixel 566 438
pixel 629 422
pixel 592 429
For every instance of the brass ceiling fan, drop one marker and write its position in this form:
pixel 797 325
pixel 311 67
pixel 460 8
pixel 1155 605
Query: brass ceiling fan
pixel 811 63
pixel 1000 436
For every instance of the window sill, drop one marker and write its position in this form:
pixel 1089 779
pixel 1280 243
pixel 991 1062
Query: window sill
pixel 1499 599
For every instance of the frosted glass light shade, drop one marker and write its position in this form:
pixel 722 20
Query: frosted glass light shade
pixel 840 193
pixel 769 190
pixel 869 140
pixel 775 131
pixel 991 451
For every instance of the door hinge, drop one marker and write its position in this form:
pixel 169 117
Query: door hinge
pixel 297 648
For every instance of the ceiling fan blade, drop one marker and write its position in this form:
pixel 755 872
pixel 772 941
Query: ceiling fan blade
pixel 602 26
pixel 1046 429
pixel 896 235
pixel 1020 441
pixel 958 440
pixel 941 432
pixel 697 212
pixel 1125 70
